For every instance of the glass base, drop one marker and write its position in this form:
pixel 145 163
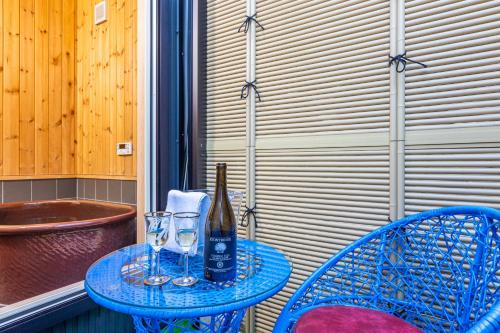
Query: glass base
pixel 184 281
pixel 156 280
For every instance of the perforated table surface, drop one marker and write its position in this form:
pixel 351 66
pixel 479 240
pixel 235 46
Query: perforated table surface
pixel 116 282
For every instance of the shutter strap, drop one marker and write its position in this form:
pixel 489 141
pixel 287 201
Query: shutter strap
pixel 402 59
pixel 245 90
pixel 246 214
pixel 245 26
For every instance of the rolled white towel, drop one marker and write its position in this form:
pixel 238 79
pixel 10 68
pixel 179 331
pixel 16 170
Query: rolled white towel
pixel 178 202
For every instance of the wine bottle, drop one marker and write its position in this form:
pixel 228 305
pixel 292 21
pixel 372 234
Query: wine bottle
pixel 220 233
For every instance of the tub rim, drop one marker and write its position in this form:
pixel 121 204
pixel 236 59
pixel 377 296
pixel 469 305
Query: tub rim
pixel 19 229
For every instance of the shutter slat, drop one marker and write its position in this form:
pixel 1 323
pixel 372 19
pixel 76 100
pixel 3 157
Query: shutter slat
pixel 453 20
pixel 429 10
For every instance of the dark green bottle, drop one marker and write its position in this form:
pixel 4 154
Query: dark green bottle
pixel 220 233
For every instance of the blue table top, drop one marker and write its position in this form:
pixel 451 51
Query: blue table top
pixel 116 282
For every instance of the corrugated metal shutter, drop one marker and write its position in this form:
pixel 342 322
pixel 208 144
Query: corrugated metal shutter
pixel 455 99
pixel 321 66
pixel 225 74
pixel 321 69
pixel 225 70
pixel 447 176
pixel 460 43
pixel 312 203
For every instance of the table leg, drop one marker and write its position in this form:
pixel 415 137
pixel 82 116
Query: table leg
pixel 228 322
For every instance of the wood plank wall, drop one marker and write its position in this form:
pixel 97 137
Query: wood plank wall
pixel 67 89
pixel 106 89
pixel 37 95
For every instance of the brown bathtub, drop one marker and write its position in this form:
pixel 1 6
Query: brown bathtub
pixel 46 245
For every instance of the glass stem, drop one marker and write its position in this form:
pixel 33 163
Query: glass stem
pixel 186 256
pixel 157 263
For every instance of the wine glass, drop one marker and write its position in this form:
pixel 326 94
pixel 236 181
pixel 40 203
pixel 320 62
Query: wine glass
pixel 186 234
pixel 157 226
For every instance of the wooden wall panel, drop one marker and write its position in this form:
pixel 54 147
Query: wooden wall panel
pixel 41 87
pixel 134 80
pixel 55 86
pixel 80 98
pixel 113 92
pixel 1 86
pixel 11 87
pixel 128 124
pixel 106 60
pixel 84 84
pixel 27 85
pixel 37 88
pixel 119 166
pixel 67 89
pixel 106 69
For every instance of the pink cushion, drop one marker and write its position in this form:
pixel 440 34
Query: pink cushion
pixel 350 319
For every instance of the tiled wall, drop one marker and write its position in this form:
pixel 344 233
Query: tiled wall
pixel 121 191
pixel 40 189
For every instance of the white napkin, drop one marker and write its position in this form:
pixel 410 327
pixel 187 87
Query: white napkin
pixel 178 202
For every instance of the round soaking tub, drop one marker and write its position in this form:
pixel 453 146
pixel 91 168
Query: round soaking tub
pixel 46 245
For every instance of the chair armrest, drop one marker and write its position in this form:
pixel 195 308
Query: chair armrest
pixel 489 323
pixel 337 281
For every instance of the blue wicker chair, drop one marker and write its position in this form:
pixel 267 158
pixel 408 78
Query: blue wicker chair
pixel 438 270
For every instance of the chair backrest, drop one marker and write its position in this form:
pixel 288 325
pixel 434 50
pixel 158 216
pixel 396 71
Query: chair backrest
pixel 440 269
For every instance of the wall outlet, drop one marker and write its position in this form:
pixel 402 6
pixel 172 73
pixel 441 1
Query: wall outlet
pixel 124 148
pixel 100 13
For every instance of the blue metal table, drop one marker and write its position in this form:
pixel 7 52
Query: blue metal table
pixel 116 282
